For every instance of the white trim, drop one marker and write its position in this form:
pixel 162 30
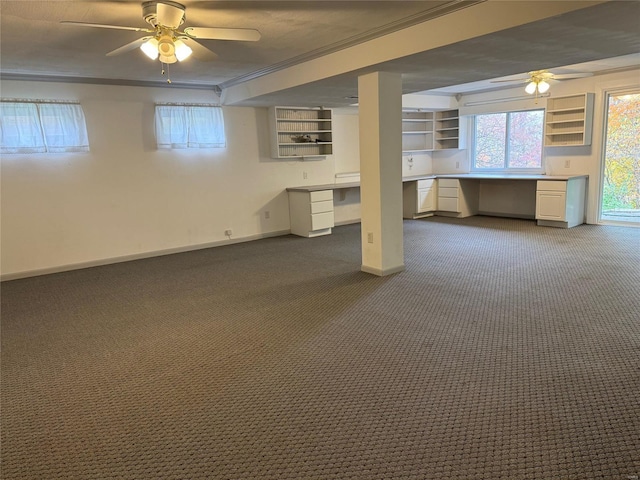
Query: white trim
pixel 606 92
pixel 382 272
pixel 505 99
pixel 137 256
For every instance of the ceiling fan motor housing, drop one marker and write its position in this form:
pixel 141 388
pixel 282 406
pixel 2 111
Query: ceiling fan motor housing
pixel 149 10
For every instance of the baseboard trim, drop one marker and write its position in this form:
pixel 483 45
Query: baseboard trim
pixel 382 272
pixel 137 256
pixel 347 222
pixel 523 216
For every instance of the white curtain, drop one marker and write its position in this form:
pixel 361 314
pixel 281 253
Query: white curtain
pixel 20 129
pixel 180 126
pixel 42 127
pixel 206 127
pixel 64 127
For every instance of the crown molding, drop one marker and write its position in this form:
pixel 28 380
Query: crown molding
pixel 107 81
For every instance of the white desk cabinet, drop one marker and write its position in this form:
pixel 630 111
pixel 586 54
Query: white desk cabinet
pixel 419 198
pixel 311 213
pixel 560 203
pixel 457 198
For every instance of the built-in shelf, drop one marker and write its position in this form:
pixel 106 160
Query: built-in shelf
pixel 298 132
pixel 447 130
pixel 568 120
pixel 417 131
pixel 425 131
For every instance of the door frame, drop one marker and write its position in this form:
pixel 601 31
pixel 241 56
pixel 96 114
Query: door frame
pixel 631 89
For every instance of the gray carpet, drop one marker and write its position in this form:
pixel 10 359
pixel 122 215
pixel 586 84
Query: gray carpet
pixel 504 351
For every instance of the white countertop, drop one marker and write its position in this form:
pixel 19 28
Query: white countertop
pixel 461 176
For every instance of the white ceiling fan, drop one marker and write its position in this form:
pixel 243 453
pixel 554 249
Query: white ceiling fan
pixel 538 80
pixel 165 41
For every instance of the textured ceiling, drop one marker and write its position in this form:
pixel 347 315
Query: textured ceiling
pixel 35 43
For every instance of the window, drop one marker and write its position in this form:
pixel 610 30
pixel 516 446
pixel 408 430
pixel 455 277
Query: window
pixel 27 127
pixel 508 141
pixel 189 126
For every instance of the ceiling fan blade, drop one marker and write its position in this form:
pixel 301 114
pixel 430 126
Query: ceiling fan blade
pixel 213 33
pixel 128 47
pixel 571 75
pixel 513 80
pixel 101 25
pixel 168 15
pixel 200 52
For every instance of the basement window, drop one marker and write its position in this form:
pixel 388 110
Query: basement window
pixel 42 127
pixel 508 141
pixel 189 126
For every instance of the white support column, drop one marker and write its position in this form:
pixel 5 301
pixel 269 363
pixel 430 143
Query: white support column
pixel 380 119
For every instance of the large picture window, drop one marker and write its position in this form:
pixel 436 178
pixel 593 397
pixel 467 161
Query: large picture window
pixel 189 126
pixel 42 128
pixel 508 141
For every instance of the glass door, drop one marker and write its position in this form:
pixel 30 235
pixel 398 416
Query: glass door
pixel 620 202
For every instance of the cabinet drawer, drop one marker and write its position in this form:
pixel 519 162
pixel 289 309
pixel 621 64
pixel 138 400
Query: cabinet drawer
pixel 555 185
pixel 321 220
pixel 321 195
pixel 427 183
pixel 448 182
pixel 448 192
pixel 448 204
pixel 320 207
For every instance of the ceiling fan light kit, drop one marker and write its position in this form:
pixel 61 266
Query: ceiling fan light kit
pixel 182 50
pixel 538 80
pixel 150 48
pixel 537 85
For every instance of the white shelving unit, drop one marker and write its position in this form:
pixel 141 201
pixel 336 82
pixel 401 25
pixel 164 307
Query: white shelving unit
pixel 569 120
pixel 425 131
pixel 417 131
pixel 289 125
pixel 447 130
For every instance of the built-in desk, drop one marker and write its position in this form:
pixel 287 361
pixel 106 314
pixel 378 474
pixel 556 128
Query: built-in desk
pixel 553 200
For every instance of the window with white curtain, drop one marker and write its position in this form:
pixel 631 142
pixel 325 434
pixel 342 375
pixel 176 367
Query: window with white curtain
pixel 33 127
pixel 189 126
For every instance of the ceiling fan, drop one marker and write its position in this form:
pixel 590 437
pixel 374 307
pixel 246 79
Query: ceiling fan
pixel 166 41
pixel 538 80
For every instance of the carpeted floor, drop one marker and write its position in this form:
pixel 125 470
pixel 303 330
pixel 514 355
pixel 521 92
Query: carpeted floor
pixel 504 351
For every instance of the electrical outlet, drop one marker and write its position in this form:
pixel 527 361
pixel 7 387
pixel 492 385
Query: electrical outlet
pixel 228 232
pixel 567 164
pixel 304 175
pixel 457 164
pixel 267 214
pixel 370 237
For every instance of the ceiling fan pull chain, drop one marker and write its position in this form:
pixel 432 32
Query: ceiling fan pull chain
pixel 167 72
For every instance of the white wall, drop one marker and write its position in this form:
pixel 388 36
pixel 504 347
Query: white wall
pixel 127 199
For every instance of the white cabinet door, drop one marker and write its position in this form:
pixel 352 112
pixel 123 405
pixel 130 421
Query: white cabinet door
pixel 425 200
pixel 551 205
